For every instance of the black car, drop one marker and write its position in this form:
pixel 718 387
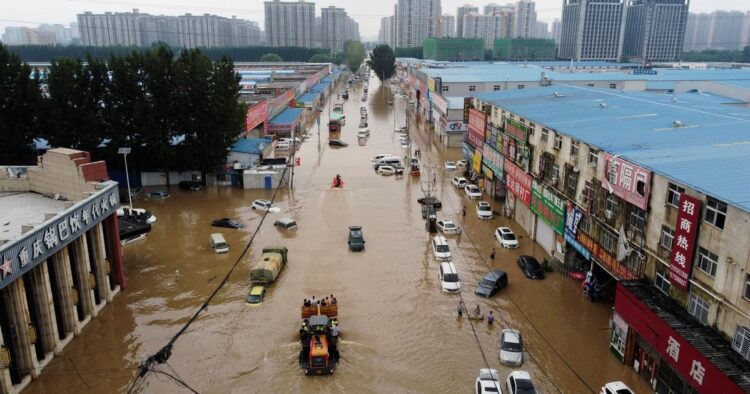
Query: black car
pixel 492 283
pixel 530 267
pixel 337 143
pixel 430 201
pixel 191 185
pixel 227 222
pixel 356 239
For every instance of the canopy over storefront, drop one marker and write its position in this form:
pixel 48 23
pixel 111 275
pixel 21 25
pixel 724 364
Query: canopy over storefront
pixel 286 120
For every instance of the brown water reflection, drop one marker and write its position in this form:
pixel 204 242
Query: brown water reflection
pixel 399 331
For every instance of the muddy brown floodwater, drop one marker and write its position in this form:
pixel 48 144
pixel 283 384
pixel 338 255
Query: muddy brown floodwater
pixel 400 333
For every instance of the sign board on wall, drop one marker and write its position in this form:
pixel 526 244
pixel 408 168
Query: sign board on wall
pixel 279 103
pixel 683 243
pixel 626 180
pixel 572 220
pixel 517 181
pixel 256 115
pixel 476 164
pixel 431 84
pixel 492 159
pixel 548 205
pixel 453 126
pixel 516 130
pixel 440 103
pixel 477 122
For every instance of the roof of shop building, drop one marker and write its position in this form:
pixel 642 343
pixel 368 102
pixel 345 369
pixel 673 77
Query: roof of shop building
pixel 308 97
pixel 707 341
pixel 287 116
pixel 704 153
pixel 252 146
pixel 21 209
pixel 738 84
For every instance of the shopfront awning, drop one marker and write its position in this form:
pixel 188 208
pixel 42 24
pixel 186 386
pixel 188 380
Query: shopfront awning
pixel 285 120
pixel 308 98
pixel 699 354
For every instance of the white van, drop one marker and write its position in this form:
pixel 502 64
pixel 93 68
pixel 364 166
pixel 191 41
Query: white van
pixel 218 243
pixel 380 156
pixel 389 161
pixel 449 278
pixel 440 248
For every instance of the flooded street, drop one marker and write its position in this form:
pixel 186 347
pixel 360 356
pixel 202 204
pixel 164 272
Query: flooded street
pixel 400 332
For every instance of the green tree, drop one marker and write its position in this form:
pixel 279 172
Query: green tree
pixel 320 58
pixel 20 99
pixel 383 62
pixel 271 58
pixel 354 54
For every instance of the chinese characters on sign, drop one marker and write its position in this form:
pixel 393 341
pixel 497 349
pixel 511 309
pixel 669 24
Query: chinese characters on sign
pixel 516 130
pixel 517 181
pixel 683 244
pixel 548 205
pixel 626 180
pixel 572 220
pixel 256 115
pixel 477 121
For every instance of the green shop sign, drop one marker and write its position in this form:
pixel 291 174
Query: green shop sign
pixel 548 205
pixel 517 130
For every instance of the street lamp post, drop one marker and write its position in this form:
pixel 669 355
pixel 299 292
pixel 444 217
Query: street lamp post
pixel 124 152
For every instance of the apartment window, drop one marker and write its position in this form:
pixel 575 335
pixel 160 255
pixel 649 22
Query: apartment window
pixel 558 142
pixel 584 225
pixel 472 88
pixel 591 85
pixel 588 193
pixel 747 287
pixel 593 158
pixel 555 173
pixel 741 342
pixel 662 282
pixel 521 86
pixel 608 241
pixel 667 236
pixel 610 207
pixel 716 212
pixel 707 261
pixel 571 184
pixel 545 135
pixel 496 87
pixel 673 194
pixel 698 308
pixel 613 86
pixel 637 219
pixel 444 88
pixel 574 148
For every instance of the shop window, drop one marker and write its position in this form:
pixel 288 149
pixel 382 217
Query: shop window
pixel 558 142
pixel 574 149
pixel 707 261
pixel 637 219
pixel 496 87
pixel 673 195
pixel 444 88
pixel 472 88
pixel 741 341
pixel 593 158
pixel 662 282
pixel 716 212
pixel 698 308
pixel 667 236
pixel 545 135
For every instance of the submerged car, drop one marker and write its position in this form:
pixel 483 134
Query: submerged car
pixel 484 211
pixel 511 347
pixel 227 222
pixel 505 236
pixel 492 283
pixel 448 276
pixel 530 267
pixel 448 227
pixel 390 170
pixel 459 182
pixel 519 382
pixel 487 382
pixel 191 185
pixel 265 206
pixel 616 388
pixel 257 293
pixel 159 194
pixel 430 201
pixel 356 239
pixel 473 192
pixel 337 143
pixel 450 165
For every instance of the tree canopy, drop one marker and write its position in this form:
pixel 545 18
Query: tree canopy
pixel 718 55
pixel 383 62
pixel 271 58
pixel 354 54
pixel 20 101
pixel 320 58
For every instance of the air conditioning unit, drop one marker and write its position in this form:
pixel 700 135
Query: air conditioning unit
pixel 609 214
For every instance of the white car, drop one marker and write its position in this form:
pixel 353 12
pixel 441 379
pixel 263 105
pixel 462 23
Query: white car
pixel 488 382
pixel 380 156
pixel 363 134
pixel 450 165
pixel 506 237
pixel 448 227
pixel 461 164
pixel 520 382
pixel 448 276
pixel 473 191
pixel 616 388
pixel 265 205
pixel 440 248
pixel 150 217
pixel 511 348
pixel 390 170
pixel 459 182
pixel 484 210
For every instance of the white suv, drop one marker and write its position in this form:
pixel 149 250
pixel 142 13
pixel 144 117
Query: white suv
pixel 440 248
pixel 449 281
pixel 484 211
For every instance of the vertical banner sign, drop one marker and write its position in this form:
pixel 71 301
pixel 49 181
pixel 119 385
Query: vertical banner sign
pixel 517 181
pixel 476 164
pixel 256 115
pixel 572 220
pixel 477 123
pixel 683 244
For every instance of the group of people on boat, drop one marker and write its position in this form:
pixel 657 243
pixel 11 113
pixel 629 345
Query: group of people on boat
pixel 476 313
pixel 307 332
pixel 337 181
pixel 331 300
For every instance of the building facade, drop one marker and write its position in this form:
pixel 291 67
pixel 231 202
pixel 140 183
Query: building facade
pixel 556 30
pixel 655 30
pixel 485 27
pixel 333 28
pixel 447 26
pixel 460 13
pixel 290 24
pixel 386 35
pixel 592 29
pixel 416 20
pixel 61 258
pixel 717 30
pixel 524 20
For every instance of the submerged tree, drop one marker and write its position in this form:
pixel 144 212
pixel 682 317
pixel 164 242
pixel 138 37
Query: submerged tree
pixel 383 62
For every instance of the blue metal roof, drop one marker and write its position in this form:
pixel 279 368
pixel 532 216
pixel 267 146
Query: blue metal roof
pixel 308 97
pixel 252 146
pixel 287 116
pixel 707 153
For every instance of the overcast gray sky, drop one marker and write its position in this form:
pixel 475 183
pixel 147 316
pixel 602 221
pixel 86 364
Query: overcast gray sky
pixel 366 12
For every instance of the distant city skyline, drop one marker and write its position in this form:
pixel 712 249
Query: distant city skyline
pixel 368 14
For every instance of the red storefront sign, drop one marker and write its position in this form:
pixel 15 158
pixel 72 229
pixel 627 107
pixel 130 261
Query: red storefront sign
pixel 626 180
pixel 683 243
pixel 477 122
pixel 688 361
pixel 440 103
pixel 256 115
pixel 603 256
pixel 517 181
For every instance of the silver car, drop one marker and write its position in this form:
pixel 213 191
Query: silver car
pixel 511 347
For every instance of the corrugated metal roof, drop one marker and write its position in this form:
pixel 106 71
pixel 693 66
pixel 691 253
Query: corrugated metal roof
pixel 308 97
pixel 287 116
pixel 706 153
pixel 253 146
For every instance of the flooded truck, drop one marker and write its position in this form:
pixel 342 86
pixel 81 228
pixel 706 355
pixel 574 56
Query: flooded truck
pixel 319 336
pixel 267 269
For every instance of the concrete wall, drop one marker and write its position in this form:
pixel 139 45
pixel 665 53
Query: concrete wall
pixel 59 172
pixel 161 178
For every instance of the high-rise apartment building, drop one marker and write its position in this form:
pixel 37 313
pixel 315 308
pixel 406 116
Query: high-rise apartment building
pixel 289 24
pixel 492 8
pixel 387 31
pixel 655 29
pixel 351 33
pixel 333 27
pixel 485 27
pixel 542 30
pixel 110 29
pixel 524 20
pixel 447 26
pixel 556 30
pixel 717 30
pixel 697 31
pixel 43 35
pixel 415 21
pixel 460 12
pixel 592 29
